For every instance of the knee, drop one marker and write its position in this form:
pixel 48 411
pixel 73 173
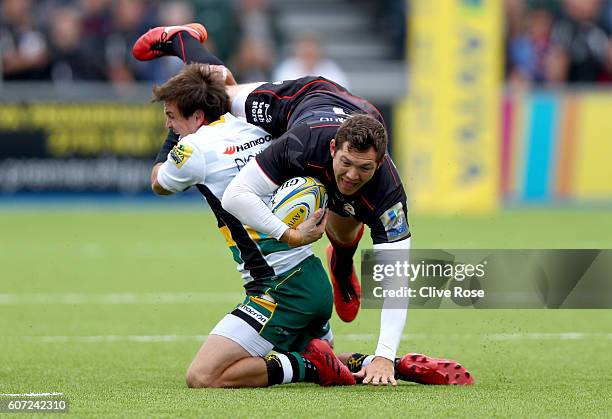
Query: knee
pixel 193 379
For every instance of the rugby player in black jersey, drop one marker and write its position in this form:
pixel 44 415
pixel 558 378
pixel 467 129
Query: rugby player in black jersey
pixel 325 132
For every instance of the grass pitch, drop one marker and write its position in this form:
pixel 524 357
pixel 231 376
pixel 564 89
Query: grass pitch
pixel 109 306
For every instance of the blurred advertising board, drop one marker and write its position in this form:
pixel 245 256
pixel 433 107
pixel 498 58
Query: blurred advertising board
pixel 556 147
pixel 447 131
pixel 78 147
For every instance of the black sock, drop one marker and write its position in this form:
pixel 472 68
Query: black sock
pixel 311 375
pixel 342 261
pixel 275 370
pixel 301 369
pixel 189 49
pixel 355 362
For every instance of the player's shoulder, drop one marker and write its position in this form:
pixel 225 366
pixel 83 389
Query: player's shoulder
pixel 386 187
pixel 226 128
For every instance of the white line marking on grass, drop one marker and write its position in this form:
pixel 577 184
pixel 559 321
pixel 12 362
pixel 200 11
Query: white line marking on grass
pixel 550 336
pixel 30 394
pixel 485 336
pixel 115 338
pixel 339 337
pixel 124 298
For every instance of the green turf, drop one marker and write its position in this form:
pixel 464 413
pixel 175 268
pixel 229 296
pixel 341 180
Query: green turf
pixel 91 254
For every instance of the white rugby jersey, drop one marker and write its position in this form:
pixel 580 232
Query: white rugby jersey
pixel 209 159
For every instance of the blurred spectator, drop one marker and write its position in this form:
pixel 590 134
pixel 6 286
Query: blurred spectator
pixel 253 61
pixel 131 18
pixel 256 21
pixel 529 51
pixel 23 49
pixel 96 21
pixel 309 61
pixel 219 18
pixel 72 59
pixel 581 48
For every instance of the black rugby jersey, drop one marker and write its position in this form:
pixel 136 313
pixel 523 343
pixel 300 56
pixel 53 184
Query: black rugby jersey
pixel 304 151
pixel 279 106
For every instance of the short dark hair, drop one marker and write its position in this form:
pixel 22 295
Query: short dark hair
pixel 194 88
pixel 363 132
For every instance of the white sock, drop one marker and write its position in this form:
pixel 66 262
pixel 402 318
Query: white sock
pixel 287 369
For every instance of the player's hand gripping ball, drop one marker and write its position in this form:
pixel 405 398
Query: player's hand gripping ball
pixel 298 199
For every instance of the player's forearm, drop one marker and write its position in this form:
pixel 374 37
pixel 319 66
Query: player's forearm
pixel 155 185
pixel 243 198
pixel 292 237
pixel 392 322
pixel 394 311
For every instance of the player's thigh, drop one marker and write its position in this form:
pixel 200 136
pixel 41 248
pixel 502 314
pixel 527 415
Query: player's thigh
pixel 215 356
pixel 231 340
pixel 343 229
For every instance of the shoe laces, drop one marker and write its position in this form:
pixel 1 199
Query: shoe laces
pixel 159 44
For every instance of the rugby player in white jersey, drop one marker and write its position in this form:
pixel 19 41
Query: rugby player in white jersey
pixel 289 299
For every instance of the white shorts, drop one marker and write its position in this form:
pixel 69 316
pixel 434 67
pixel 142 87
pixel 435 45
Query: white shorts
pixel 243 334
pixel 238 330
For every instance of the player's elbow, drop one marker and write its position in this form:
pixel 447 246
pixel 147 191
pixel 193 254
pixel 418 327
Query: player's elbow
pixel 229 200
pixel 158 190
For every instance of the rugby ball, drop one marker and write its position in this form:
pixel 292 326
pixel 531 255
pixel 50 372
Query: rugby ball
pixel 298 199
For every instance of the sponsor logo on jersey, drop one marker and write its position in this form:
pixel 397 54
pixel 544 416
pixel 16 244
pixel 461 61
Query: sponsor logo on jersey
pixel 253 313
pixel 242 161
pixel 331 119
pixel 259 112
pixel 245 146
pixel 395 223
pixel 180 153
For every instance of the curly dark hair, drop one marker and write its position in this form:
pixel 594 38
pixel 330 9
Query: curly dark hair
pixel 195 87
pixel 363 132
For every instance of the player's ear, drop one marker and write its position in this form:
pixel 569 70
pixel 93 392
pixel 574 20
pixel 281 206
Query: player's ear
pixel 200 117
pixel 332 147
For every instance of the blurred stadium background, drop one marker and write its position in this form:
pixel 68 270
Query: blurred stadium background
pixel 499 120
pixel 503 104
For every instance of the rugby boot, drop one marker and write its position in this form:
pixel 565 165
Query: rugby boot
pixel 330 369
pixel 422 369
pixel 156 42
pixel 347 292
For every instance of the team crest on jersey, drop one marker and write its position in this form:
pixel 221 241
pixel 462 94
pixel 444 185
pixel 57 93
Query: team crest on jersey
pixel 180 154
pixel 349 209
pixel 395 223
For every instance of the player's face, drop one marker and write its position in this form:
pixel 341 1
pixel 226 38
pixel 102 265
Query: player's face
pixel 178 123
pixel 352 169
